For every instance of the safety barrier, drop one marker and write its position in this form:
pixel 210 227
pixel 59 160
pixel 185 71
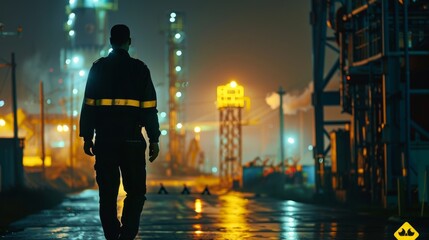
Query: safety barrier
pixel 185 191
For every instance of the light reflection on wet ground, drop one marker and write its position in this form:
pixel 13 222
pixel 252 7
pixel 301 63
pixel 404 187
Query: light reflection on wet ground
pixel 225 216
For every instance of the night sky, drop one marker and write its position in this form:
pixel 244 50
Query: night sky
pixel 262 44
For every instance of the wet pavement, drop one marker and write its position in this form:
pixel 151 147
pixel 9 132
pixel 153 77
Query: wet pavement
pixel 221 215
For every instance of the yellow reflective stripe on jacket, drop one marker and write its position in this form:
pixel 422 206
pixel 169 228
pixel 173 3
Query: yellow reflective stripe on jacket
pixel 120 102
pixel 148 104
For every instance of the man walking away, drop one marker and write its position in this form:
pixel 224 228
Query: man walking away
pixel 119 101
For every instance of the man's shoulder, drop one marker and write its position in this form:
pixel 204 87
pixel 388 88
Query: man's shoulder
pixel 100 60
pixel 138 61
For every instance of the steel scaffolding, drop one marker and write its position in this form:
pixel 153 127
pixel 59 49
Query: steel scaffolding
pixel 383 63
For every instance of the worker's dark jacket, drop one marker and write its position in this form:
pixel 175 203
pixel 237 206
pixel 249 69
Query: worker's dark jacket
pixel 119 100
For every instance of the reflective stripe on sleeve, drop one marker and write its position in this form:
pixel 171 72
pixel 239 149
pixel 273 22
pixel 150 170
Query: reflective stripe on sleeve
pixel 148 104
pixel 90 101
pixel 120 102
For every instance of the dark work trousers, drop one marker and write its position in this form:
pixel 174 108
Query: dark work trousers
pixel 113 159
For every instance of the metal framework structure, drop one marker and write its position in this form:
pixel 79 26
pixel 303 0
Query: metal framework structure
pixel 383 59
pixel 230 149
pixel 177 85
pixel 230 102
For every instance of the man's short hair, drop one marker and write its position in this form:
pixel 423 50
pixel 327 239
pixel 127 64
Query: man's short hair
pixel 119 34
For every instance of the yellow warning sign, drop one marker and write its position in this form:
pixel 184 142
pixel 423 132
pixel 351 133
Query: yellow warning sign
pixel 406 232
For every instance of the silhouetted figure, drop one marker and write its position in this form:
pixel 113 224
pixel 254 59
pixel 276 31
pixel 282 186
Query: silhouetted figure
pixel 185 189
pixel 402 232
pixel 410 233
pixel 162 190
pixel 119 100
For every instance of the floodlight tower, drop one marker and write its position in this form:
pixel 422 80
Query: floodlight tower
pixel 177 86
pixel 230 101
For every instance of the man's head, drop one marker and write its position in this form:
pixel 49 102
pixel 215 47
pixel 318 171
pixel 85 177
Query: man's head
pixel 120 36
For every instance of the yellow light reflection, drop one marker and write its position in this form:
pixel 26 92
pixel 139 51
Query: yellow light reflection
pixel 288 222
pixel 333 230
pixel 198 230
pixel 198 206
pixel 233 212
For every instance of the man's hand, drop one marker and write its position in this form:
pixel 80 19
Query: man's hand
pixel 88 148
pixel 153 151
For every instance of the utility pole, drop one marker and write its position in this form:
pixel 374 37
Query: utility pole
pixel 42 127
pixel 71 131
pixel 17 162
pixel 14 99
pixel 281 92
pixel 12 65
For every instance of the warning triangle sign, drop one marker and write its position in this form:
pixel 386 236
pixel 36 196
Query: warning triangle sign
pixel 406 232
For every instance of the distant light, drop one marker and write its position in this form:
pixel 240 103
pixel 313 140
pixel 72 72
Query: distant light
pixel 62 128
pixel 75 59
pixel 172 19
pixel 68 61
pixel 178 68
pixel 163 114
pixel 310 147
pixel 95 1
pixel 59 144
pixel 75 113
pixel 2 122
pixel 291 140
pixel 81 73
pixel 173 15
pixel 179 53
pixel 71 33
pixel 214 169
pixel 233 84
pixel 163 132
pixel 110 50
pixel 69 22
pixel 197 129
pixel 177 36
pixel 178 94
pixel 1 103
pixel 48 101
pixel 71 2
pixel 74 127
pixel 179 125
pixel 75 91
pixel 72 15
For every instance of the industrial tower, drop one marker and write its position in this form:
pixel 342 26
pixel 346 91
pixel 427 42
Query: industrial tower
pixel 176 90
pixel 87 33
pixel 230 102
pixel 383 61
